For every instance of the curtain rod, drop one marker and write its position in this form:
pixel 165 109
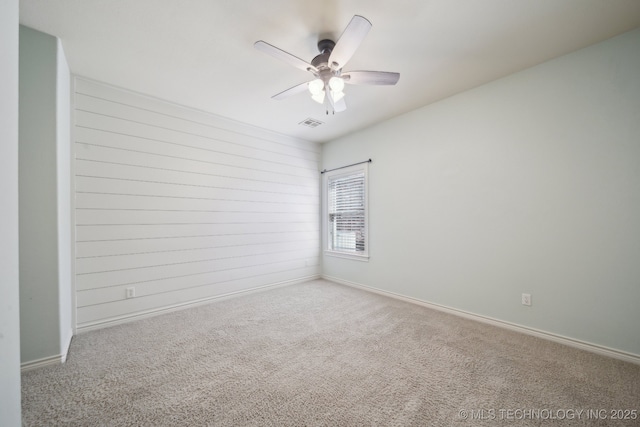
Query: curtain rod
pixel 342 167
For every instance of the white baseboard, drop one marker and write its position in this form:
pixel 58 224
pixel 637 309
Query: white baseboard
pixel 86 327
pixel 583 345
pixel 41 363
pixel 48 361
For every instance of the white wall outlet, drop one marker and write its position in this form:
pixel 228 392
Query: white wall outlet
pixel 131 292
pixel 526 299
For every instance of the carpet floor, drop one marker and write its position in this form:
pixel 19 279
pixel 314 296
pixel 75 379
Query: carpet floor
pixel 322 354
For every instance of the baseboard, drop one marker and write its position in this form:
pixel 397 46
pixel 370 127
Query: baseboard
pixel 48 361
pixel 583 345
pixel 86 327
pixel 41 363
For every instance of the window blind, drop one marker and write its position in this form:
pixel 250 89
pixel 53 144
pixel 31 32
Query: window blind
pixel 346 209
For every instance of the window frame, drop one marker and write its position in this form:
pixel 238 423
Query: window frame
pixel 327 176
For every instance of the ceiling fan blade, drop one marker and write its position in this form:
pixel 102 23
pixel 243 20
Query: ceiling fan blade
pixel 337 106
pixel 302 87
pixel 349 41
pixel 284 56
pixel 371 77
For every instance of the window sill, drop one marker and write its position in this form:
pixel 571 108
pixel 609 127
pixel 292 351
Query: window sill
pixel 362 258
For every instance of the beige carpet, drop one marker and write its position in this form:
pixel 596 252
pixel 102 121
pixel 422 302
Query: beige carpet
pixel 324 354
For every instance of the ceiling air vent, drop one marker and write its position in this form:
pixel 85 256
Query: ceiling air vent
pixel 309 122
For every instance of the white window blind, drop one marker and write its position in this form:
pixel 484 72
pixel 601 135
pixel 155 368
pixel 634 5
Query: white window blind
pixel 346 203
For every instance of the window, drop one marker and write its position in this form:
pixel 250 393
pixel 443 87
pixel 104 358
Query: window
pixel 346 212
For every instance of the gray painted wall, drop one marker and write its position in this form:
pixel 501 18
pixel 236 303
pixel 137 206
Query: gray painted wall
pixel 529 184
pixel 9 263
pixel 43 262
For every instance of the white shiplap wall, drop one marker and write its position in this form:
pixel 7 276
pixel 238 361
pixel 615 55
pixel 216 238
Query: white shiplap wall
pixel 184 206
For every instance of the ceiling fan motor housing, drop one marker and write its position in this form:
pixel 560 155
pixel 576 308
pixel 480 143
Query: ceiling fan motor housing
pixel 326 45
pixel 321 61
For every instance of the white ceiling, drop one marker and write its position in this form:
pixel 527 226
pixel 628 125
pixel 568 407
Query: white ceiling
pixel 199 53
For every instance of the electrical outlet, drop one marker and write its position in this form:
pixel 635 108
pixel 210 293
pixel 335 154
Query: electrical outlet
pixel 526 299
pixel 131 292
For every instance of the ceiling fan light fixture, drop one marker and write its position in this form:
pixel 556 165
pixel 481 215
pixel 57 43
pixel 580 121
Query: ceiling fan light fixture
pixel 316 87
pixel 337 96
pixel 318 97
pixel 336 84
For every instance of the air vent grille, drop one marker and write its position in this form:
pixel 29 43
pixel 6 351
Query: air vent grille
pixel 309 122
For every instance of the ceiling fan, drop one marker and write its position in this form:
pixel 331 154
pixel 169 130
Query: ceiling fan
pixel 329 78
